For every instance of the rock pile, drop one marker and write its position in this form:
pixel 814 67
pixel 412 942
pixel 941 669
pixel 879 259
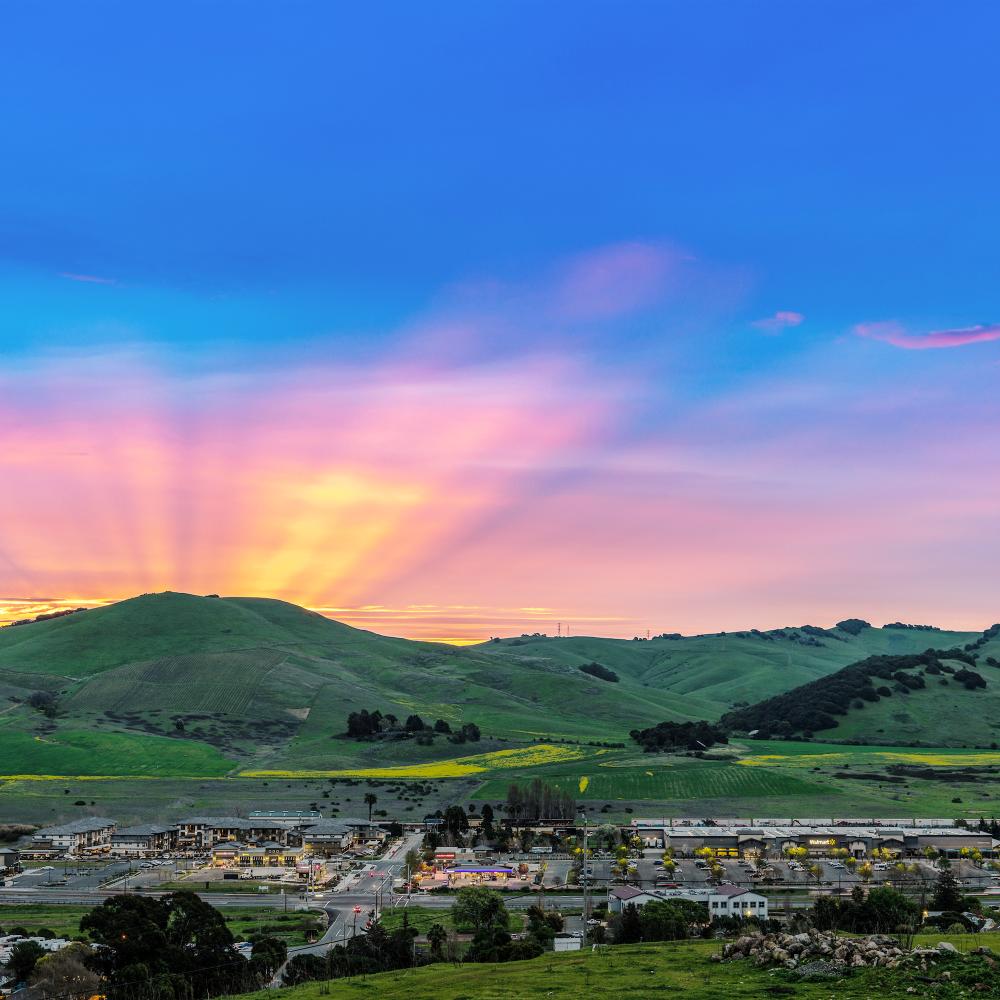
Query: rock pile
pixel 824 953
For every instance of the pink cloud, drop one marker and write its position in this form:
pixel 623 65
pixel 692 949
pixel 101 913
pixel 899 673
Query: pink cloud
pixel 92 279
pixel 615 280
pixel 895 334
pixel 781 320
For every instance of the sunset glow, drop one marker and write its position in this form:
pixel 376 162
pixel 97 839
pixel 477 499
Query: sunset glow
pixel 422 346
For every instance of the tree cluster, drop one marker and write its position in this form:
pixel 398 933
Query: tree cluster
pixel 44 702
pixel 173 946
pixel 365 725
pixel 597 670
pixel 679 736
pixel 377 950
pixel 880 911
pixel 853 626
pixel 659 920
pixel 530 803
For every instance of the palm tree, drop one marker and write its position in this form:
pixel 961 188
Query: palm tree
pixel 370 799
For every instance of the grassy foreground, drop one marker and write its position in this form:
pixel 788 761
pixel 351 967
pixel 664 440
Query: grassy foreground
pixel 631 971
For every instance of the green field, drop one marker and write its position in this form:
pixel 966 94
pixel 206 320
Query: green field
pixel 676 781
pixel 82 752
pixel 64 920
pixel 637 972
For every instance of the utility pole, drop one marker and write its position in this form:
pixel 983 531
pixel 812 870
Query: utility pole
pixel 586 882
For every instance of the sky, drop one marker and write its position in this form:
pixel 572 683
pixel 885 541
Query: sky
pixel 454 320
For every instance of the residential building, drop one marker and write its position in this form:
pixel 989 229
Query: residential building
pixel 143 841
pixel 291 819
pixel 364 830
pixel 10 859
pixel 327 837
pixel 81 836
pixel 720 901
pixel 201 833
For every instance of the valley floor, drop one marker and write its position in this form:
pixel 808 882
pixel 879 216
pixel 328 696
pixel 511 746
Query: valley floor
pixel 753 780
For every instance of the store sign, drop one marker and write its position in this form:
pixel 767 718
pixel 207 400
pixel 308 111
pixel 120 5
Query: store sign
pixel 827 842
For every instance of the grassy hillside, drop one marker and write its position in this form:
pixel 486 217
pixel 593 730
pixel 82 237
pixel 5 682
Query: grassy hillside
pixel 681 969
pixel 705 675
pixel 195 687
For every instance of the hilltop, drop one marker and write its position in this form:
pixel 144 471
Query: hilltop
pixel 176 684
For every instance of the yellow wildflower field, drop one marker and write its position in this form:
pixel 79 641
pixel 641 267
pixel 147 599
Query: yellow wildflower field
pixel 457 767
pixel 931 758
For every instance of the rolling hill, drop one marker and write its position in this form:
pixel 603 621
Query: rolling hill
pixel 946 696
pixel 175 684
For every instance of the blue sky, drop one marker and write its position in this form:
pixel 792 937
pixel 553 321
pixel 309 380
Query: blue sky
pixel 255 190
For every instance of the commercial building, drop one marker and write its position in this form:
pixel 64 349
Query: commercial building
pixel 908 840
pixel 267 854
pixel 720 901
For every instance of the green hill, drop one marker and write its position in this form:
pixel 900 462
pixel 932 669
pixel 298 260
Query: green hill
pixel 707 674
pixel 948 696
pixel 201 686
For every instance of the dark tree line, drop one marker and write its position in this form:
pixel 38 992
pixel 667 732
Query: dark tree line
pixel 816 705
pixel 679 736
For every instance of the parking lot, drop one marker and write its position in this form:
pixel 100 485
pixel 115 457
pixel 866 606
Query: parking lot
pixel 66 875
pixel 834 873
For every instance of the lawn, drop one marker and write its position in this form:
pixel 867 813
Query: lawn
pixel 63 920
pixel 637 972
